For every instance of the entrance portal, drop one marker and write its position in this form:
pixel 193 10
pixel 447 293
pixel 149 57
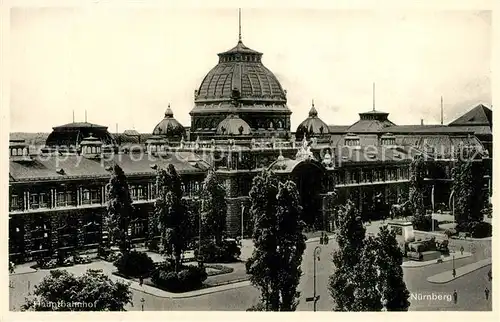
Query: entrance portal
pixel 308 177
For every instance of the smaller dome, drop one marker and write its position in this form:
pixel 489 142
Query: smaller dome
pixel 91 141
pixel 169 126
pixel 312 125
pixel 233 125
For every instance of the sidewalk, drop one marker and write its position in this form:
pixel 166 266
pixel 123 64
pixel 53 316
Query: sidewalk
pixel 414 264
pixel 447 276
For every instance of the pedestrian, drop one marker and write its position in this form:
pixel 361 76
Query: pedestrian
pixel 486 293
pixel 325 239
pixel 141 280
pixel 321 238
pixel 455 296
pixel 462 249
pixel 489 275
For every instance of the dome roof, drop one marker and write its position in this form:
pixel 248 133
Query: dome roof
pixel 169 126
pixel 312 125
pixel 371 122
pixel 240 69
pixel 233 125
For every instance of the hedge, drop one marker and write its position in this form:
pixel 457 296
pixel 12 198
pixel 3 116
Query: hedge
pixel 226 252
pixel 135 264
pixel 187 279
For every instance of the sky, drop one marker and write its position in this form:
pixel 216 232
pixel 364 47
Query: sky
pixel 124 66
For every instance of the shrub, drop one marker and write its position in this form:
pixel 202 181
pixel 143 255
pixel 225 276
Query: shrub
pixel 450 232
pixel 480 229
pixel 153 245
pixel 227 252
pixel 134 264
pixel 46 263
pixel 425 224
pixel 187 279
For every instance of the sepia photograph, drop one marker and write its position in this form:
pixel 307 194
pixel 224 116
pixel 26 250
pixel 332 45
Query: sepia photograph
pixel 249 159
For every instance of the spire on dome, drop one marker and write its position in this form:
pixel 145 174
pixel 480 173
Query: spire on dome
pixel 312 111
pixel 239 24
pixel 168 112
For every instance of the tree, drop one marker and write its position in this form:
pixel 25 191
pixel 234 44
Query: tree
pixel 417 187
pixel 119 209
pixel 350 239
pixel 392 286
pixel 468 181
pixel 279 242
pixel 365 277
pixel 172 215
pixel 213 208
pixel 92 291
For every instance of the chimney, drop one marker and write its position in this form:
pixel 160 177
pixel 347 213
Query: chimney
pixel 421 121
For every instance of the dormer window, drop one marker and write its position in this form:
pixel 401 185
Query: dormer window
pixel 352 140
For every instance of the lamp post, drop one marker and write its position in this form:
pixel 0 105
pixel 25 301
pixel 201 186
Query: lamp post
pixel 454 273
pixel 314 298
pixel 242 222
pixel 199 233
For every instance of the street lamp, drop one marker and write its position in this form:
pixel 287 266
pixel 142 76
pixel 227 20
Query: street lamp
pixel 200 261
pixel 242 222
pixel 314 298
pixel 454 273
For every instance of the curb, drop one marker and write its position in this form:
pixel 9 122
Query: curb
pixel 415 264
pixel 447 276
pixel 201 292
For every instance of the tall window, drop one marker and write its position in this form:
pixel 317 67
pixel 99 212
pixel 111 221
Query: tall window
pixel 92 229
pixel 40 233
pixel 16 235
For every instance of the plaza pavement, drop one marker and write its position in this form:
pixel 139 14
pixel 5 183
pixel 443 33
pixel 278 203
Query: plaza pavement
pixel 447 276
pixel 470 286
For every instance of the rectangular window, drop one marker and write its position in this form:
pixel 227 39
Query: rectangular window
pixel 95 196
pixel 34 201
pixel 86 197
pixel 65 198
pixel 16 202
pixel 44 200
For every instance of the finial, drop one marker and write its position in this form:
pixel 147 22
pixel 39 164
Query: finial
pixel 168 112
pixel 441 110
pixel 374 96
pixel 312 111
pixel 239 24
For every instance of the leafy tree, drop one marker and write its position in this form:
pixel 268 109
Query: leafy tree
pixel 468 181
pixel 392 286
pixel 92 291
pixel 172 215
pixel 279 242
pixel 417 187
pixel 350 239
pixel 213 208
pixel 365 277
pixel 120 209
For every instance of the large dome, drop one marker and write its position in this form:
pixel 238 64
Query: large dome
pixel 240 68
pixel 240 81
